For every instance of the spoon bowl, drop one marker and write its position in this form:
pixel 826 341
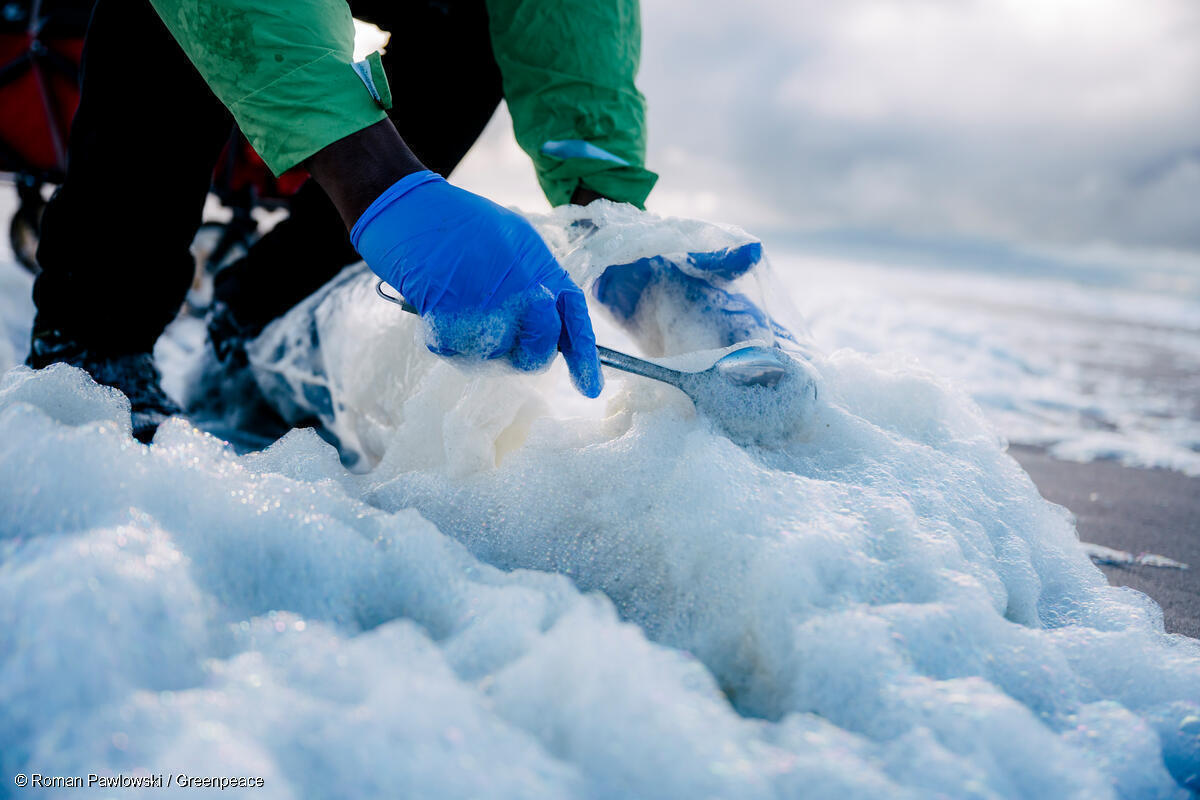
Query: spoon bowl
pixel 752 366
pixel 757 395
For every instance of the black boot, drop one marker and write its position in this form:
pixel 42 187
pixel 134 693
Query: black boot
pixel 134 374
pixel 229 336
pixel 227 400
pixel 226 389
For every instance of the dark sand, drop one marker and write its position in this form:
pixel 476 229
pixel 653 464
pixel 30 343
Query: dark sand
pixel 1138 510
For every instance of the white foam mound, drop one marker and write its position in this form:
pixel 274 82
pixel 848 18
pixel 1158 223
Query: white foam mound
pixel 523 599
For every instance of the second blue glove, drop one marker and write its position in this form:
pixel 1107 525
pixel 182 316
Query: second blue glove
pixel 482 279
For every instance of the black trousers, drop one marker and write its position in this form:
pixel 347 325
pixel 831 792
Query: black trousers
pixel 115 238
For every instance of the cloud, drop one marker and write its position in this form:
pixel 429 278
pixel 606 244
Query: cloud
pixel 1055 122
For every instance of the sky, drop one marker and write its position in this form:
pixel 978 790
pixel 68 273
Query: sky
pixel 1057 126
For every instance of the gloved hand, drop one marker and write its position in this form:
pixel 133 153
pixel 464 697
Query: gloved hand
pixel 480 276
pixel 690 285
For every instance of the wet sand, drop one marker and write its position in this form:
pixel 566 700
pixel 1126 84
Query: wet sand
pixel 1138 510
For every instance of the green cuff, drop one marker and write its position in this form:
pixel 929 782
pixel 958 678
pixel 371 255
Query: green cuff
pixel 560 178
pixel 307 109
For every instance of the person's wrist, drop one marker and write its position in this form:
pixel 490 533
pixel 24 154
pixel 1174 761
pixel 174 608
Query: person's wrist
pixel 583 196
pixel 357 169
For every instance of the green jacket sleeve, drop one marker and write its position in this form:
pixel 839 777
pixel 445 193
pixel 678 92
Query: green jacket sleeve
pixel 568 69
pixel 284 69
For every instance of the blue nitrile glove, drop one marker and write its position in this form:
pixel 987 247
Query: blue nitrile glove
pixel 730 316
pixel 480 276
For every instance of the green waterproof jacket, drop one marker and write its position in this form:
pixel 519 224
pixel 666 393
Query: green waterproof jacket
pixel 286 71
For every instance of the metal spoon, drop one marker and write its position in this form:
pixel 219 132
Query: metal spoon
pixel 747 366
pixel 757 394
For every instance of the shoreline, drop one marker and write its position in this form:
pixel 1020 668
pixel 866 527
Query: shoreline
pixel 1137 510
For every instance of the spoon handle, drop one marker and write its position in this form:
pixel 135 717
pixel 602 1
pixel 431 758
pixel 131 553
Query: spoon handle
pixel 627 363
pixel 395 300
pixel 609 357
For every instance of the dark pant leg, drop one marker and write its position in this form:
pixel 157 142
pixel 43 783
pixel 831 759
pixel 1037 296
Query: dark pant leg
pixel 445 88
pixel 115 237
